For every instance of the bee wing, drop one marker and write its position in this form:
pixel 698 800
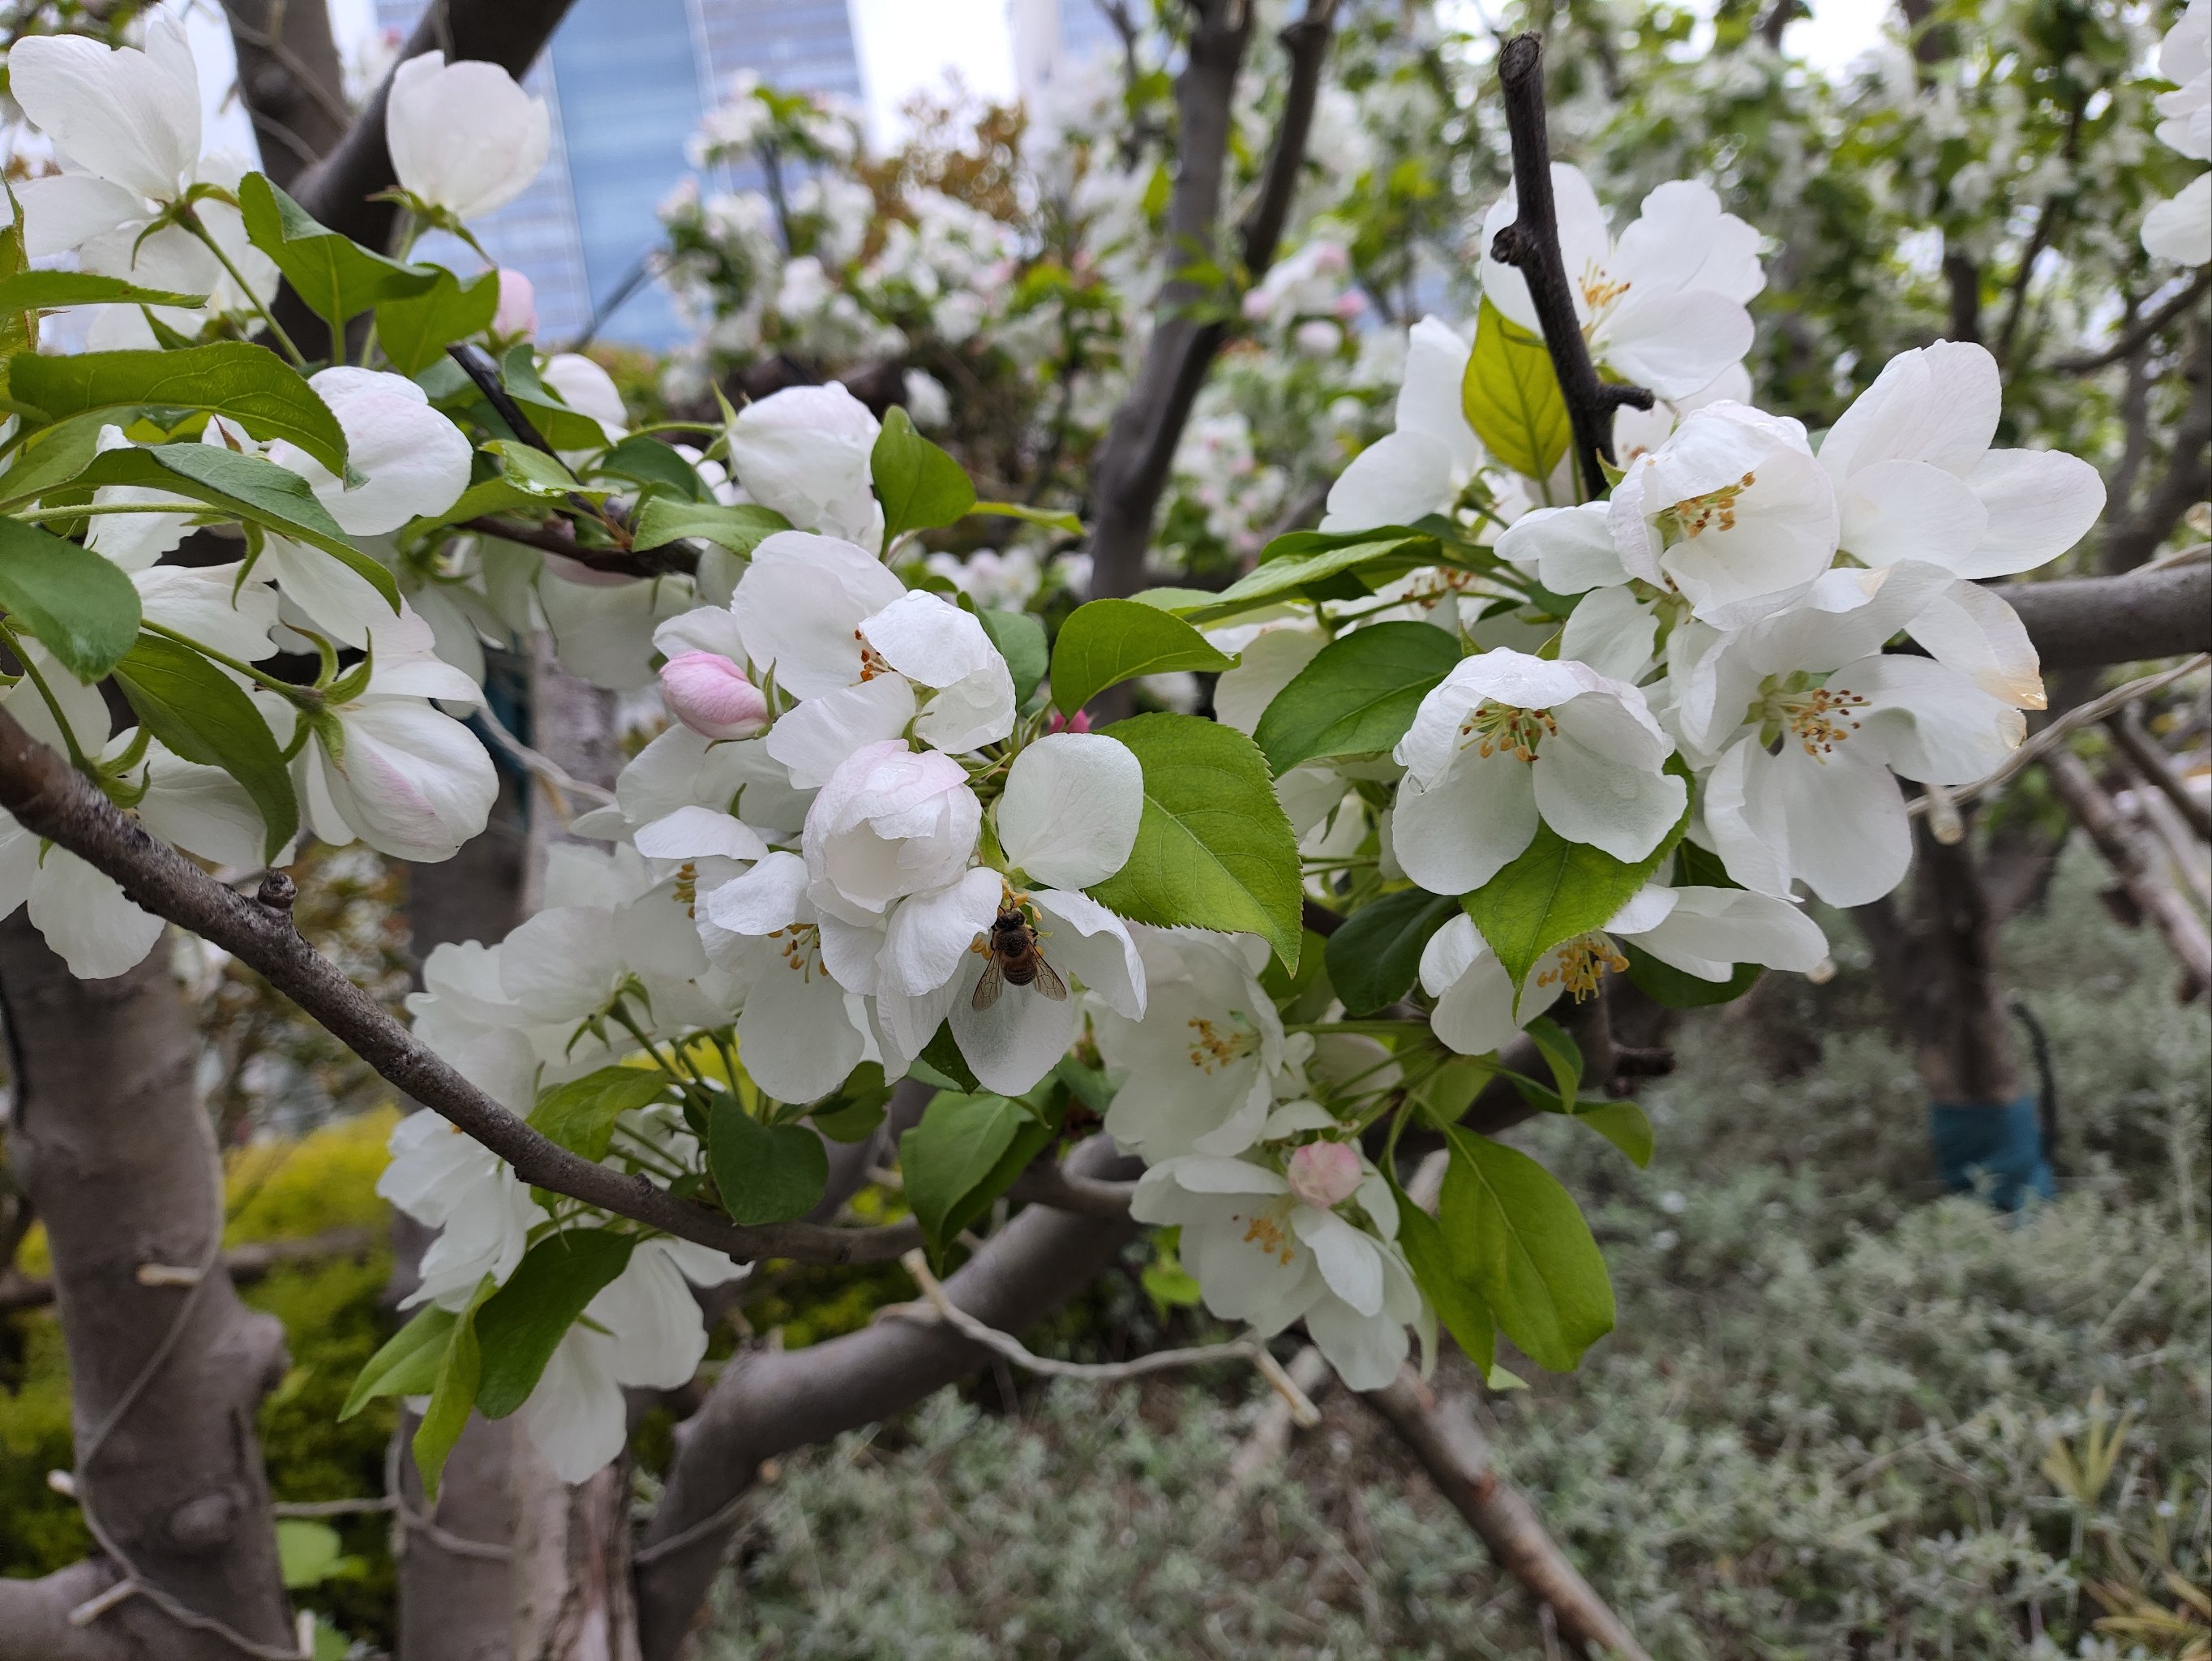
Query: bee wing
pixel 992 984
pixel 1049 983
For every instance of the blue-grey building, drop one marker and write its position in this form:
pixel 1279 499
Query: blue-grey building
pixel 626 81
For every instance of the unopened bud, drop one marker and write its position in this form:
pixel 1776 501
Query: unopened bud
pixel 518 306
pixel 711 695
pixel 1323 1173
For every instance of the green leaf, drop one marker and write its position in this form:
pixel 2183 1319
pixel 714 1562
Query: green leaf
pixel 1020 636
pixel 415 329
pixel 80 606
pixel 1512 397
pixel 1375 557
pixel 1624 1125
pixel 941 1063
pixel 249 384
pixel 562 428
pixel 1050 518
pixel 1556 890
pixel 1374 959
pixel 663 520
pixel 851 1121
pixel 1529 1252
pixel 333 274
pixel 644 460
pixel 1561 1054
pixel 962 1155
pixel 40 291
pixel 241 487
pixel 407 1364
pixel 1357 694
pixel 766 1173
pixel 1213 848
pixel 308 1553
pixel 919 486
pixel 452 1393
pixel 521 1325
pixel 1679 989
pixel 580 1113
pixel 206 717
pixel 1110 641
pixel 1447 1277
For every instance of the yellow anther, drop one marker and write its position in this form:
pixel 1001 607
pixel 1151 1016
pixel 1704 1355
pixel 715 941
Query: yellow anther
pixel 1822 719
pixel 1713 511
pixel 1580 964
pixel 1212 1050
pixel 1496 727
pixel 1265 1230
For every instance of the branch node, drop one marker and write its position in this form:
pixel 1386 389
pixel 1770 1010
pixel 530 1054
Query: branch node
pixel 278 892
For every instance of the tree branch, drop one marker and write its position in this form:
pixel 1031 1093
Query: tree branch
pixel 2122 845
pixel 507 33
pixel 2157 768
pixel 2143 333
pixel 769 1402
pixel 1132 469
pixel 1444 1436
pixel 2081 623
pixel 52 800
pixel 34 1618
pixel 1531 244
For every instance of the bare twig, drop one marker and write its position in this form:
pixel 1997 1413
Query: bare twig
pixel 2143 333
pixel 939 1307
pixel 2134 739
pixel 2120 842
pixel 1531 244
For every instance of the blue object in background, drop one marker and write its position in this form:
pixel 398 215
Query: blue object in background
pixel 1998 1150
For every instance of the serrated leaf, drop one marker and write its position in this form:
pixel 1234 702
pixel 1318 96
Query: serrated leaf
pixel 407 1362
pixel 644 460
pixel 1529 1253
pixel 1625 1125
pixel 242 487
pixel 1446 1280
pixel 415 329
pixel 521 1325
pixel 580 1113
pixel 1020 636
pixel 920 485
pixel 1554 891
pixel 1357 694
pixel 962 1155
pixel 452 1394
pixel 1213 848
pixel 664 520
pixel 1375 956
pixel 81 607
pixel 1108 641
pixel 246 384
pixel 40 291
pixel 335 275
pixel 1511 395
pixel 766 1173
pixel 1375 558
pixel 203 715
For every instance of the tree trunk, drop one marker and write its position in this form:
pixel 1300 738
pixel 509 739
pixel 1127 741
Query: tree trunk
pixel 166 1370
pixel 290 82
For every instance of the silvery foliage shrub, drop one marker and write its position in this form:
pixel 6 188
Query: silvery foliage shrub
pixel 1512 740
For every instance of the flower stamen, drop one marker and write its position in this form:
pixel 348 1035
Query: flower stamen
pixel 1579 965
pixel 1496 727
pixel 1713 511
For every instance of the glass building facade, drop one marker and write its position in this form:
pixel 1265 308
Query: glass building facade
pixel 627 82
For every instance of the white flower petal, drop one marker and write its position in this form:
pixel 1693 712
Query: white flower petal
pixel 1072 805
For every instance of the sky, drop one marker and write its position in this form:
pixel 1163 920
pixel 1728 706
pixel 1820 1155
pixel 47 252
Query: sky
pixel 907 46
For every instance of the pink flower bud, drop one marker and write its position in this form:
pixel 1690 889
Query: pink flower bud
pixel 711 695
pixel 1323 1173
pixel 1079 722
pixel 518 306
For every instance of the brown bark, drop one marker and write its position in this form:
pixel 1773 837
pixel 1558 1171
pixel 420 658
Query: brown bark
pixel 1443 1434
pixel 2123 844
pixel 109 1142
pixel 289 81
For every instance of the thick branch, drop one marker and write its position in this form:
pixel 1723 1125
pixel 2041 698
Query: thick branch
pixel 289 81
pixel 769 1401
pixel 1531 244
pixel 1132 469
pixel 1444 1436
pixel 52 800
pixel 2083 623
pixel 508 33
pixel 675 559
pixel 34 1618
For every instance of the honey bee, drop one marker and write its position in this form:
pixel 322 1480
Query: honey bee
pixel 1015 960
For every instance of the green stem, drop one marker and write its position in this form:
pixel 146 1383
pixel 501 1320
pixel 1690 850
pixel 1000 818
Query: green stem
pixel 299 695
pixel 190 221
